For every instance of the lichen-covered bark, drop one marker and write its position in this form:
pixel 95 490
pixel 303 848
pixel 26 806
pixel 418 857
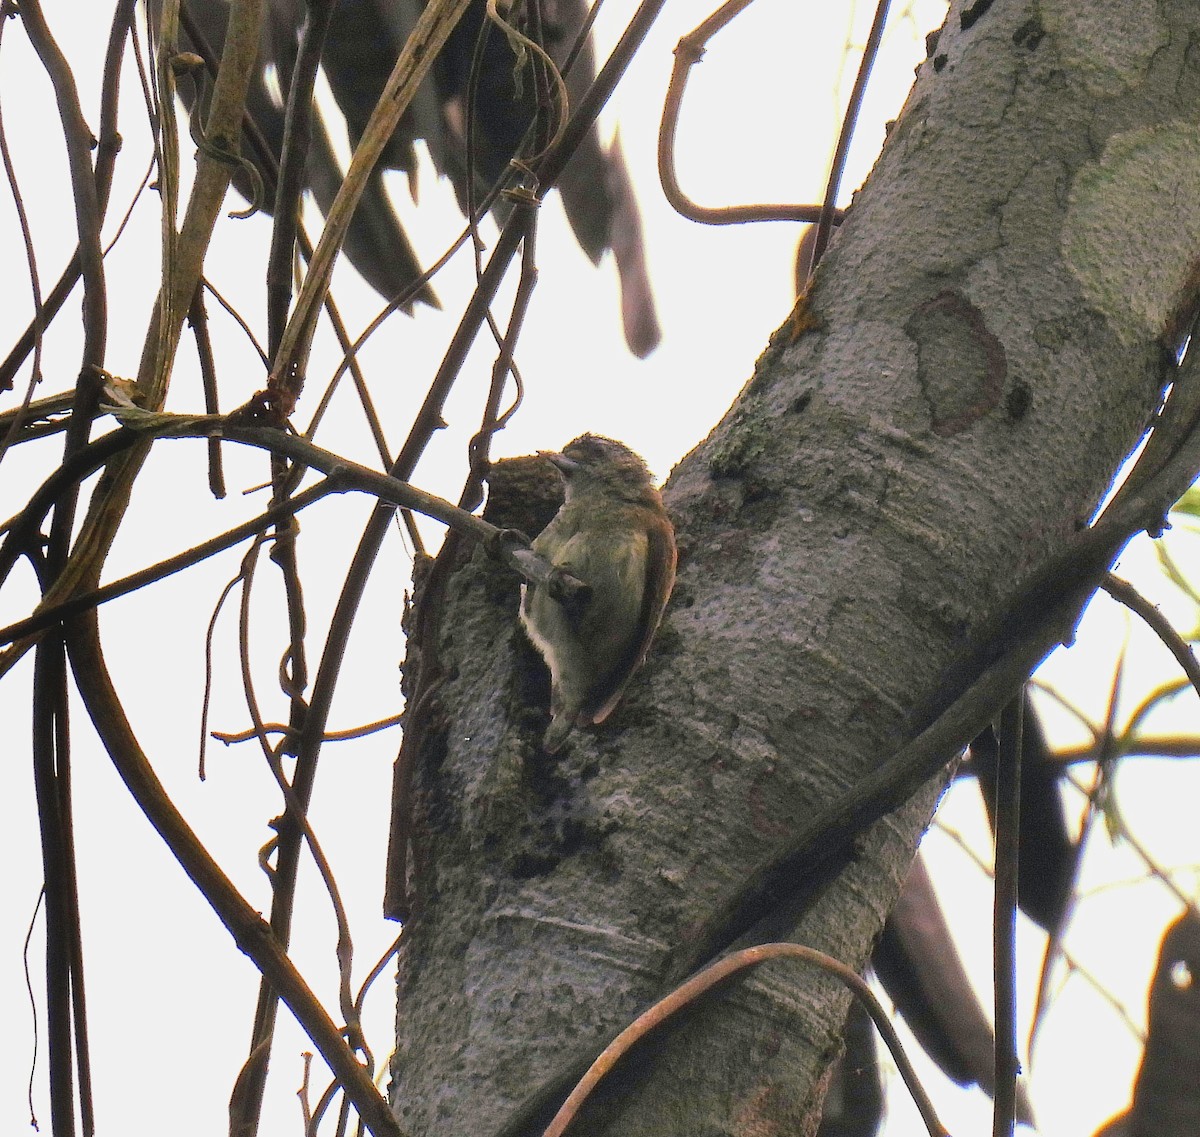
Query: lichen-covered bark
pixel 983 346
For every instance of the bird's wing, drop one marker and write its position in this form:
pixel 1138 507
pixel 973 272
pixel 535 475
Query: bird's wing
pixel 660 579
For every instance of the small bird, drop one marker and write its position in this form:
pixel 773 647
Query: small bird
pixel 613 534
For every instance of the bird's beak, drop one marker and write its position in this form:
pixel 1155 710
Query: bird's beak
pixel 565 466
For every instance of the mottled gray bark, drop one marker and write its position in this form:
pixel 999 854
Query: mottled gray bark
pixel 983 347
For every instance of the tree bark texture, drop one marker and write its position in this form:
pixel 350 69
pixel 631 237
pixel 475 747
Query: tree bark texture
pixel 983 346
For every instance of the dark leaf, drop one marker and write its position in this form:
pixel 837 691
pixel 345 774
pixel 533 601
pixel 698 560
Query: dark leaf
pixel 919 967
pixel 1166 1095
pixel 1046 869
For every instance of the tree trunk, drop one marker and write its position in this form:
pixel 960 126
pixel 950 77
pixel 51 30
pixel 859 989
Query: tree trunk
pixel 983 346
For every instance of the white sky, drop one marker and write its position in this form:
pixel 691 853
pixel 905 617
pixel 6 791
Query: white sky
pixel 170 996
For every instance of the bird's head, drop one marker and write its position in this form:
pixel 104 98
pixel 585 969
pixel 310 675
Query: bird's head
pixel 592 463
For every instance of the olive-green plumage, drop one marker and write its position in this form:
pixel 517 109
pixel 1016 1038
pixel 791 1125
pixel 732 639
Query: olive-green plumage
pixel 612 533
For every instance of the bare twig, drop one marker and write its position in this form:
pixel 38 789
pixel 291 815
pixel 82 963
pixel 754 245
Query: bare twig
pixel 51 779
pixel 1124 592
pixel 35 286
pixel 47 617
pixel 687 993
pixel 109 501
pixel 1143 746
pixel 198 319
pixel 405 297
pixel 343 475
pixel 689 51
pixel 396 902
pixel 560 87
pixel 33 1006
pixel 294 816
pixel 88 214
pixel 231 738
pixel 302 1092
pixel 845 136
pixel 1004 929
pixel 106 155
pixel 20 530
pixel 493 420
pixel 293 167
pixel 1117 825
pixel 66 1007
pixel 436 21
pixel 249 930
pixel 352 1028
pixel 326 1098
pixel 1072 964
pixel 349 476
pixel 205 706
pixel 269 165
pixel 37 411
